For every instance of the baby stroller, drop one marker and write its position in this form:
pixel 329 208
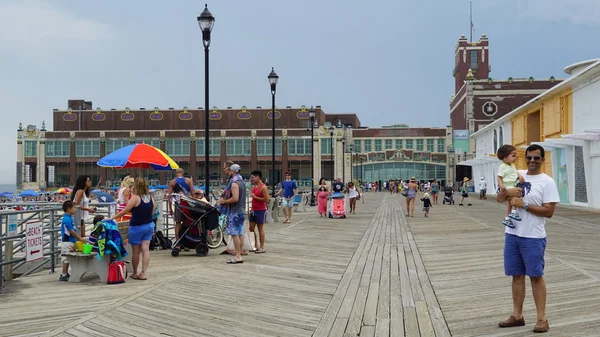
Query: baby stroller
pixel 448 195
pixel 338 206
pixel 198 218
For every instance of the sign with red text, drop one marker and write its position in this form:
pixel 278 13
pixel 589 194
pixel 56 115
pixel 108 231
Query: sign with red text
pixel 35 241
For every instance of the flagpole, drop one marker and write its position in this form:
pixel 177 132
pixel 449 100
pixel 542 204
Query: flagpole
pixel 471 18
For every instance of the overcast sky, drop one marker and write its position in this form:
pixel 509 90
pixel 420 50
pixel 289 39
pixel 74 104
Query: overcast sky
pixel 388 61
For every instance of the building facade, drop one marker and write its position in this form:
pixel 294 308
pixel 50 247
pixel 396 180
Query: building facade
pixel 479 99
pixel 82 135
pixel 565 120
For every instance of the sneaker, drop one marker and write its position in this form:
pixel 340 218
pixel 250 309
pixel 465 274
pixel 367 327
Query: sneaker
pixel 514 215
pixel 506 222
pixel 512 321
pixel 541 326
pixel 64 277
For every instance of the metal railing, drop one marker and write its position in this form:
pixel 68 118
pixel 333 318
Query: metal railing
pixel 13 246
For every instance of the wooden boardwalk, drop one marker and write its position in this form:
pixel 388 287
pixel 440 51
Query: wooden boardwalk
pixel 372 274
pixel 462 250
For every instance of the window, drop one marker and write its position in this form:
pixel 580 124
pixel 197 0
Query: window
pixel 367 145
pixel 58 149
pixel 388 144
pixel 474 60
pixel 430 146
pixel 377 145
pixel 495 141
pixel 264 147
pixel 419 144
pixel 325 145
pixel 238 147
pixel 409 144
pixel 151 142
pixel 299 147
pixel 357 146
pixel 501 137
pixel 87 148
pixel 441 145
pixel 214 148
pixel 399 144
pixel 114 144
pixel 178 147
pixel 30 148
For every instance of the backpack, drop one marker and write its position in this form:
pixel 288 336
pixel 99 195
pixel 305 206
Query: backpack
pixel 159 241
pixel 117 272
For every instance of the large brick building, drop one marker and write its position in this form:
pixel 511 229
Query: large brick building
pixel 479 99
pixel 82 134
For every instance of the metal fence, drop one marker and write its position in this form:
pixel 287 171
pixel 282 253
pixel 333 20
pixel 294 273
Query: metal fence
pixel 13 245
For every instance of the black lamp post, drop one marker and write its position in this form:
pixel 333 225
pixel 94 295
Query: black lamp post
pixel 206 22
pixel 273 78
pixel 351 162
pixel 344 159
pixel 311 114
pixel 331 128
pixel 361 170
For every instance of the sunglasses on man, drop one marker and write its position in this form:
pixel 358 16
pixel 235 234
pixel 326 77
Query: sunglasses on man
pixel 535 158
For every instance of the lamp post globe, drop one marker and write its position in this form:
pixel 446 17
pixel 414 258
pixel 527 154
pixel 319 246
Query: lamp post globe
pixel 311 115
pixel 273 79
pixel 206 22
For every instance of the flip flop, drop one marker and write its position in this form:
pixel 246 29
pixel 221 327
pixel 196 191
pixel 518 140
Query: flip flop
pixel 258 251
pixel 225 253
pixel 135 277
pixel 234 261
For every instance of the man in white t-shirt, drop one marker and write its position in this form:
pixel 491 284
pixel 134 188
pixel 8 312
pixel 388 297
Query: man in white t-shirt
pixel 482 189
pixel 524 245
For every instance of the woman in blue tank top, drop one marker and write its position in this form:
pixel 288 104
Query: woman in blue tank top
pixel 141 226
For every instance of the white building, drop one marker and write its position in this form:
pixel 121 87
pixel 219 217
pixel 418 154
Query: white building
pixel 565 120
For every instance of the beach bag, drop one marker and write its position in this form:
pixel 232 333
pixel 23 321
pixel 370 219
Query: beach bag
pixel 404 191
pixel 248 245
pixel 117 272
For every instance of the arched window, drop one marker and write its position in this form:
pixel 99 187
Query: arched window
pixel 501 137
pixel 495 141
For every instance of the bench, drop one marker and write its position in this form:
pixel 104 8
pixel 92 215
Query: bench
pixel 300 203
pixel 82 264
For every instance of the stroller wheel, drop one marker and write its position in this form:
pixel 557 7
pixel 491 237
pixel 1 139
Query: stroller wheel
pixel 202 249
pixel 175 253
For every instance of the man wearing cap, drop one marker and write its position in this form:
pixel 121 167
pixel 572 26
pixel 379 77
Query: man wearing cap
pixel 178 185
pixel 235 205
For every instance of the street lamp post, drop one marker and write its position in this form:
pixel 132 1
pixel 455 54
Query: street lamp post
pixel 331 128
pixel 351 162
pixel 206 22
pixel 311 114
pixel 344 159
pixel 273 78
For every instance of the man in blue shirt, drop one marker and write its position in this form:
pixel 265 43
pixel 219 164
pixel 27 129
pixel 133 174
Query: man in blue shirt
pixel 178 185
pixel 289 190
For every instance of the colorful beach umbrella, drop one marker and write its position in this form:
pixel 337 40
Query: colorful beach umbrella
pixel 63 190
pixel 138 156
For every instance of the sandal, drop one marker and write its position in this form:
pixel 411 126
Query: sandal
pixel 259 251
pixel 234 261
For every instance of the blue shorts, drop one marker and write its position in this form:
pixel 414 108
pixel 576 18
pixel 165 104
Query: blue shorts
pixel 287 202
pixel 523 256
pixel 235 224
pixel 258 217
pixel 140 233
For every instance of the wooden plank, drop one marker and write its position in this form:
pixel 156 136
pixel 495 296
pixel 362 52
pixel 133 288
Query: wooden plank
pixel 370 314
pixel 411 326
pixel 396 314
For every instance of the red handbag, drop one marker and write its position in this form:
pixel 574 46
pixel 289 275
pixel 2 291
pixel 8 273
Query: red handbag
pixel 117 272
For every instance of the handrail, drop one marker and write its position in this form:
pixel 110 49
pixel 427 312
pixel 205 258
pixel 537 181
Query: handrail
pixel 13 245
